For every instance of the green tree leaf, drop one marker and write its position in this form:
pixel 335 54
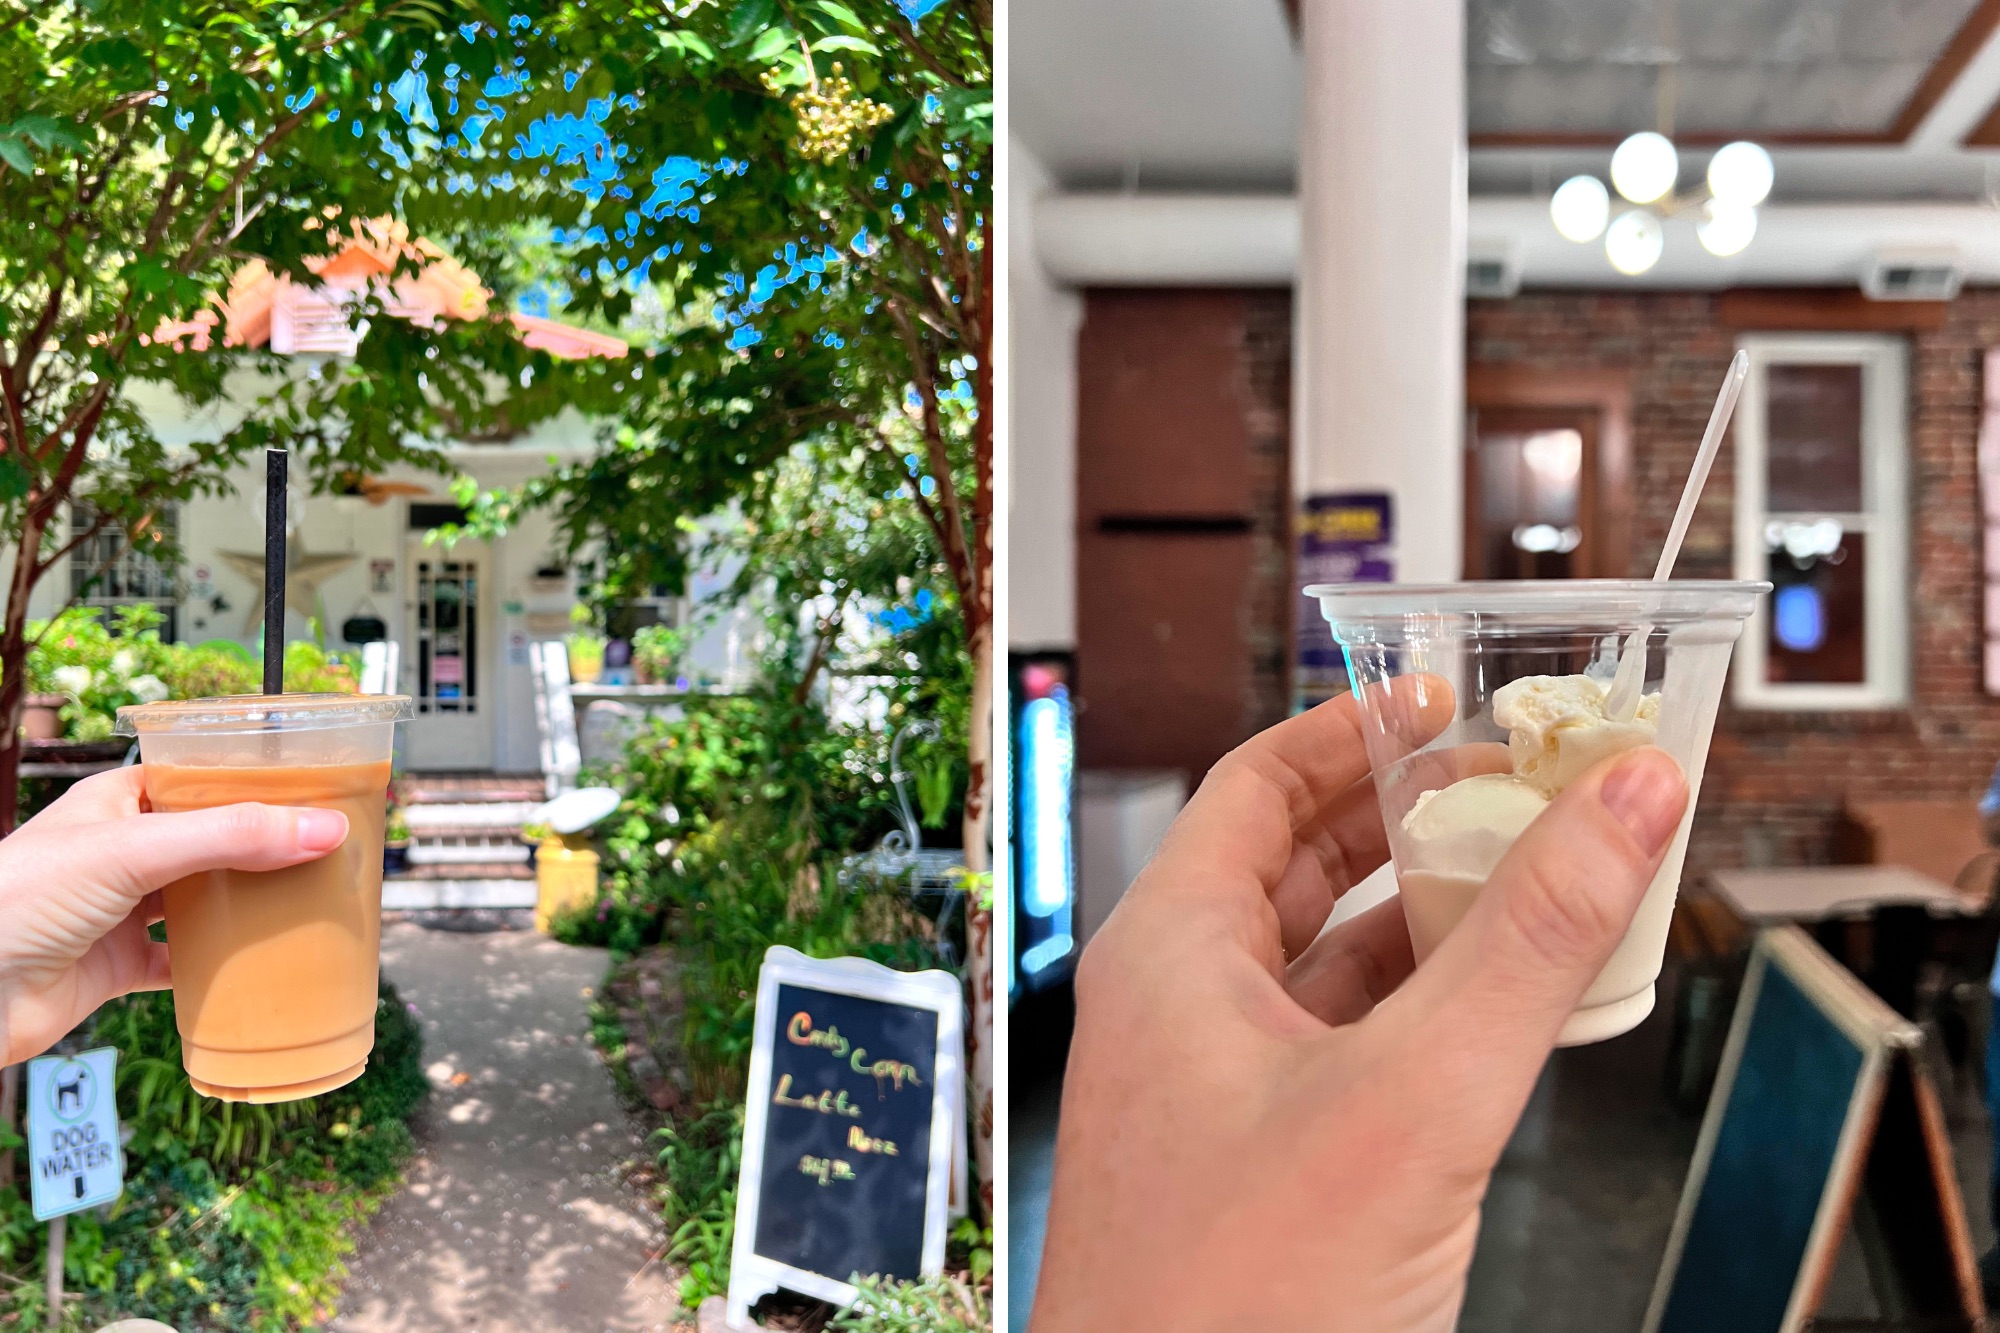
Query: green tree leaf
pixel 749 19
pixel 770 42
pixel 841 43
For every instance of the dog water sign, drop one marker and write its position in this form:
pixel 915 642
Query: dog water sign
pixel 74 1161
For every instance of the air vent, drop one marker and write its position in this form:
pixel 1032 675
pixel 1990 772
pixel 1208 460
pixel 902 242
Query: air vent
pixel 1925 276
pixel 1492 269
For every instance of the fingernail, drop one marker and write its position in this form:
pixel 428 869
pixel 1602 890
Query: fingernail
pixel 1646 793
pixel 321 830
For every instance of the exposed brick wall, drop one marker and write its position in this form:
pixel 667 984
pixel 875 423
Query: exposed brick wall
pixel 1184 414
pixel 1776 781
pixel 1267 357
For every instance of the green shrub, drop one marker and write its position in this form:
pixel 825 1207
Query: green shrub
pixel 102 668
pixel 699 1162
pixel 943 1304
pixel 235 1216
pixel 655 650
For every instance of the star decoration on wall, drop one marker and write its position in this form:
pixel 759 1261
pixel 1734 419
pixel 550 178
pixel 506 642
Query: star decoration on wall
pixel 304 572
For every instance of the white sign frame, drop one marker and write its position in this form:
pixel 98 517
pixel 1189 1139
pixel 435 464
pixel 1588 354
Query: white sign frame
pixel 101 1114
pixel 753 1276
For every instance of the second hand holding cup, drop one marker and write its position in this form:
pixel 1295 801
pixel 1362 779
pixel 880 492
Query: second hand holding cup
pixel 1482 701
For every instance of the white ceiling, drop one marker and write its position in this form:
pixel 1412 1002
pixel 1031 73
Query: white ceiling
pixel 1153 94
pixel 1203 94
pixel 1760 65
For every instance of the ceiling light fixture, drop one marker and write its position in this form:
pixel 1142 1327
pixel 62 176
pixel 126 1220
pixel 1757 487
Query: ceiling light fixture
pixel 1645 168
pixel 1581 208
pixel 1633 241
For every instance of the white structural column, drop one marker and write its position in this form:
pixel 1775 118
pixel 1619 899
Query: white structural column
pixel 1379 376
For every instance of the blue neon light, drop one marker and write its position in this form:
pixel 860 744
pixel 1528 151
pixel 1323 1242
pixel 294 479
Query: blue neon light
pixel 1801 618
pixel 1047 757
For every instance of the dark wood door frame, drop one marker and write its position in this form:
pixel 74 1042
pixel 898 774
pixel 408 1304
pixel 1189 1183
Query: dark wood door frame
pixel 1606 392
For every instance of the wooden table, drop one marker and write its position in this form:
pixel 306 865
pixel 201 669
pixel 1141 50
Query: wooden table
pixel 1824 893
pixel 1884 922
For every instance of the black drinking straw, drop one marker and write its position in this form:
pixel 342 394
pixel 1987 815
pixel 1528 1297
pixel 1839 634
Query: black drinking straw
pixel 276 466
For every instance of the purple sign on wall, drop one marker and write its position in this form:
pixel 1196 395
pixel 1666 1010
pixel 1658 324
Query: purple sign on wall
pixel 1347 538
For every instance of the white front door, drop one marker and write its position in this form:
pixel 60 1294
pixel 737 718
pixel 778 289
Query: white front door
pixel 445 667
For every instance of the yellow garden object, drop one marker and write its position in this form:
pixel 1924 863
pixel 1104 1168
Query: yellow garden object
pixel 565 877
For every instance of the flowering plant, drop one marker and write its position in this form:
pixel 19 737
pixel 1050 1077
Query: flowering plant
pixel 101 669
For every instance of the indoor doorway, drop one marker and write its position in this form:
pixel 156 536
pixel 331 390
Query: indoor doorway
pixel 1547 479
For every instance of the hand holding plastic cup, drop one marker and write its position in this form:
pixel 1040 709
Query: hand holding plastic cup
pixel 1480 701
pixel 275 971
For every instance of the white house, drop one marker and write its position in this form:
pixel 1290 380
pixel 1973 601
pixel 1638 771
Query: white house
pixel 463 615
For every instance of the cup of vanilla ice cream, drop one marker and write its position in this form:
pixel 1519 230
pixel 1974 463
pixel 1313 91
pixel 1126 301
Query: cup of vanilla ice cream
pixel 1481 701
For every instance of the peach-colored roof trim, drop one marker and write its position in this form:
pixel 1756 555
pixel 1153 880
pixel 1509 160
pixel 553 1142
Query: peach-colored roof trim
pixel 265 308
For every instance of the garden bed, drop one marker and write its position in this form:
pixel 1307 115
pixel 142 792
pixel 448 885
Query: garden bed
pixel 234 1217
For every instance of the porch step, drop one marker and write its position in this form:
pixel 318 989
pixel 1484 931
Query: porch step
pixel 439 788
pixel 505 816
pixel 486 869
pixel 465 847
pixel 418 895
pixel 426 853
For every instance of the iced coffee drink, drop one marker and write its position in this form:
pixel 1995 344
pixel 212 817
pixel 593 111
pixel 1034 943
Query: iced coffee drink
pixel 275 971
pixel 1482 701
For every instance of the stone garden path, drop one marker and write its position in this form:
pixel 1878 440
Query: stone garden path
pixel 515 1217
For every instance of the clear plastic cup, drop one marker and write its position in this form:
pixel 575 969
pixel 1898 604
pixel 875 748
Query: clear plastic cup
pixel 275 971
pixel 1426 663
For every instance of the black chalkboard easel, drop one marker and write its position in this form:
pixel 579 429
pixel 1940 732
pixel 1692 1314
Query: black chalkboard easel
pixel 853 1125
pixel 1822 1118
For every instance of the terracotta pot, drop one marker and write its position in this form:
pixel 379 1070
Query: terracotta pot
pixel 41 720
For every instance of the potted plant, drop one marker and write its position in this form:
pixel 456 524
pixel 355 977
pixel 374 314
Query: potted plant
pixel 395 840
pixel 532 835
pixel 655 648
pixel 41 720
pixel 586 647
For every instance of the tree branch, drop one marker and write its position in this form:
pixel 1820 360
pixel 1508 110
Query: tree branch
pixel 956 550
pixel 932 519
pixel 823 636
pixel 908 38
pixel 192 250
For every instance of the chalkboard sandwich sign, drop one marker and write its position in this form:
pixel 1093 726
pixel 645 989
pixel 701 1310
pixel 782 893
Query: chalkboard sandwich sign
pixel 1823 1121
pixel 854 1120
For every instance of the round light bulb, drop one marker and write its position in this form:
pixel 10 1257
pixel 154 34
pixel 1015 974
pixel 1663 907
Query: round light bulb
pixel 1580 207
pixel 1645 167
pixel 1634 241
pixel 1728 227
pixel 1741 173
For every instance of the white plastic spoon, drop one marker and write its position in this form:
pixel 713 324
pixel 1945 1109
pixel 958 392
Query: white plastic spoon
pixel 1622 703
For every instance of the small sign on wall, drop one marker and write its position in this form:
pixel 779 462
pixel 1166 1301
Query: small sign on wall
pixel 1343 538
pixel 382 576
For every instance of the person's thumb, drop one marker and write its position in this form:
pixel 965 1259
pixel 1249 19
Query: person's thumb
pixel 1489 1003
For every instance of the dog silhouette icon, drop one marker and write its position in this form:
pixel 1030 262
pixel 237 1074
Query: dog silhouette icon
pixel 70 1094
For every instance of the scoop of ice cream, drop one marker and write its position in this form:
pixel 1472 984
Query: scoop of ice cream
pixel 1465 829
pixel 1558 728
